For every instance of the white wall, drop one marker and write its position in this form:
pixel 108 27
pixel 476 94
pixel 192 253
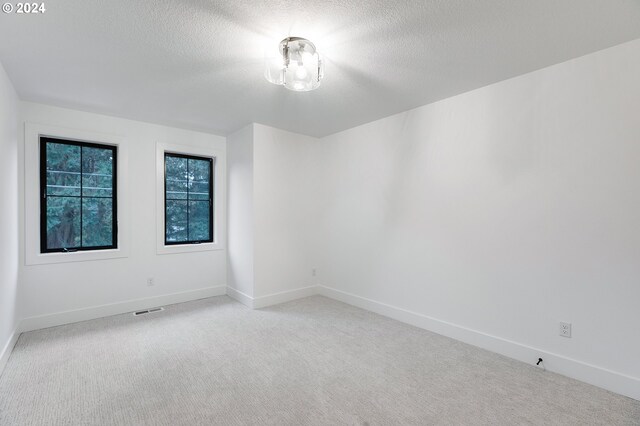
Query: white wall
pixel 286 208
pixel 240 214
pixel 9 305
pixel 63 287
pixel 503 210
pixel 273 231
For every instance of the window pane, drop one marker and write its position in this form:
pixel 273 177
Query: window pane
pixel 188 186
pixel 97 220
pixel 63 222
pixel 176 221
pixel 176 177
pixel 63 169
pixel 78 211
pixel 97 172
pixel 199 171
pixel 199 220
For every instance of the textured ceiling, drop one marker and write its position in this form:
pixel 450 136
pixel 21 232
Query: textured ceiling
pixel 198 64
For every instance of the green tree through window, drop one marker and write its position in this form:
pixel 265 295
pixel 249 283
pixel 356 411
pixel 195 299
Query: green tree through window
pixel 188 183
pixel 78 188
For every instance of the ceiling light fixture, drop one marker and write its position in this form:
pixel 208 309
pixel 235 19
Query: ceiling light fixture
pixel 298 67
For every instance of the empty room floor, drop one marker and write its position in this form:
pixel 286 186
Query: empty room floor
pixel 311 361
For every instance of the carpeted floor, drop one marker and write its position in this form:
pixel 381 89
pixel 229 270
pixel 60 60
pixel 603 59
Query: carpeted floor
pixel 307 362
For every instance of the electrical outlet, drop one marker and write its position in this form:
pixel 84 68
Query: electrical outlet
pixel 565 329
pixel 313 272
pixel 151 282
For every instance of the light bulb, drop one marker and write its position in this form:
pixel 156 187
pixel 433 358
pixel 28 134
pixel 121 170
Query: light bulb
pixel 301 73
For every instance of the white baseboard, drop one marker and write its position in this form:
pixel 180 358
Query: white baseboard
pixel 6 350
pixel 271 299
pixel 597 376
pixel 245 299
pixel 93 312
pixel 284 296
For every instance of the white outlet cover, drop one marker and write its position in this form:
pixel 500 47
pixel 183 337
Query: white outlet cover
pixel 565 329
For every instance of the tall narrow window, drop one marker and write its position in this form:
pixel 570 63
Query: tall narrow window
pixel 78 202
pixel 188 195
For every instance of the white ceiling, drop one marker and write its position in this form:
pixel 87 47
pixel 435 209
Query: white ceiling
pixel 198 64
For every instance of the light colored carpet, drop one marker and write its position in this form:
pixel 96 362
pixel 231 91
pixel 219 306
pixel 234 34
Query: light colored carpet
pixel 307 362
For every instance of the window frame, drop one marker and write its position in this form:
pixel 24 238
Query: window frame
pixel 201 148
pixel 43 194
pixel 30 210
pixel 212 165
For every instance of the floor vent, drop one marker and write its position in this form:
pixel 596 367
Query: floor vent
pixel 148 311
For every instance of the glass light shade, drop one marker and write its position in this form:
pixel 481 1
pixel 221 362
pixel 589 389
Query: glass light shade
pixel 274 70
pixel 298 67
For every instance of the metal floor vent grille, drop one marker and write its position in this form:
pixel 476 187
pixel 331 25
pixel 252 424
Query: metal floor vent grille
pixel 148 311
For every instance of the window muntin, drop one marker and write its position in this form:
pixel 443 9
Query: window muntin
pixel 188 195
pixel 78 203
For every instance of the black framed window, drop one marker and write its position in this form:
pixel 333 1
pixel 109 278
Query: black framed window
pixel 78 196
pixel 188 199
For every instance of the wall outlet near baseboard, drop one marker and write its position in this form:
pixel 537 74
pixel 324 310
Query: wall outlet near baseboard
pixel 565 329
pixel 151 281
pixel 313 272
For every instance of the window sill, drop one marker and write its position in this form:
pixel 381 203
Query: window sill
pixel 188 248
pixel 76 256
